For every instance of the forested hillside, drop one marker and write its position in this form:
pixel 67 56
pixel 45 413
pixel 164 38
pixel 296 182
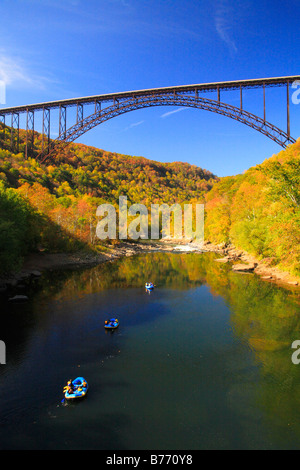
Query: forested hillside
pixel 259 211
pixel 53 206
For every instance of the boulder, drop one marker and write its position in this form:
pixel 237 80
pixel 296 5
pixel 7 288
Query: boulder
pixel 246 268
pixel 36 273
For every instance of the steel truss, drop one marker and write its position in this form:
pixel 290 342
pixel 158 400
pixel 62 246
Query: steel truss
pixel 124 102
pixel 238 114
pixel 15 126
pixel 29 133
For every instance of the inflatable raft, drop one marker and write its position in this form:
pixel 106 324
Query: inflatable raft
pixel 79 388
pixel 149 285
pixel 111 324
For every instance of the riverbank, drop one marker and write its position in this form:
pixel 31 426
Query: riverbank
pixel 243 262
pixel 37 263
pixel 56 261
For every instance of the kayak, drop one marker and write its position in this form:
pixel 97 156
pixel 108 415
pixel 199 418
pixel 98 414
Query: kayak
pixel 149 285
pixel 111 324
pixel 80 388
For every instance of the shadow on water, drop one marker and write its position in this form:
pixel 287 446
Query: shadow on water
pixel 203 361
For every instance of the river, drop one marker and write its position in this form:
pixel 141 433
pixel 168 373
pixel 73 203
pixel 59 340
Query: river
pixel 202 362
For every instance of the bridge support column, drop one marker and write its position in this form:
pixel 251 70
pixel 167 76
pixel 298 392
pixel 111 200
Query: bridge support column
pixel 97 107
pixel 2 134
pixel 241 97
pixel 46 130
pixel 29 133
pixel 264 88
pixel 62 121
pixel 15 121
pixel 79 116
pixel 288 110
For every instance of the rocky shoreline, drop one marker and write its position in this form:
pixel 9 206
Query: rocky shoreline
pixel 37 263
pixel 244 263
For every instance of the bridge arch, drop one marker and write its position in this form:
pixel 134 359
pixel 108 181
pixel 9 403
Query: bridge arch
pixel 124 102
pixel 135 103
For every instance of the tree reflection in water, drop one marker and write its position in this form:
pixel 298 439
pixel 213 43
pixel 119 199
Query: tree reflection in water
pixel 263 316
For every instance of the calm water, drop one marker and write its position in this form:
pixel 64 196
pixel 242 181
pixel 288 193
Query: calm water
pixel 203 362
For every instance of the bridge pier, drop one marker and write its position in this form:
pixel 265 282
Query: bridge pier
pixel 2 133
pixel 15 121
pixel 97 107
pixel 62 121
pixel 264 88
pixel 241 97
pixel 46 130
pixel 79 114
pixel 288 110
pixel 29 133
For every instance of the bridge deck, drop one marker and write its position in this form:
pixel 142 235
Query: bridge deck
pixel 202 87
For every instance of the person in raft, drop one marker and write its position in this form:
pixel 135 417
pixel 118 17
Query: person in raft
pixel 83 385
pixel 69 388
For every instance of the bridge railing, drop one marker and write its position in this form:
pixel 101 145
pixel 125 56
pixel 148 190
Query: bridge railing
pixel 10 118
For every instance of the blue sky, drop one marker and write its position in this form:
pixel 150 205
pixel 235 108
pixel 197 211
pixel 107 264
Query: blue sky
pixel 55 49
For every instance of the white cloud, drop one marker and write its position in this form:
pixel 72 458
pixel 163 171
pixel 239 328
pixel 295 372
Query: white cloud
pixel 15 73
pixel 172 112
pixel 135 124
pixel 224 20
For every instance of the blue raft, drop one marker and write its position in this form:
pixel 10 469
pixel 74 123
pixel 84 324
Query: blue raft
pixel 111 324
pixel 80 388
pixel 149 286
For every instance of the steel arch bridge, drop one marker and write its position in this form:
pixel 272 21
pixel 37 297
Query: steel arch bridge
pixel 124 102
